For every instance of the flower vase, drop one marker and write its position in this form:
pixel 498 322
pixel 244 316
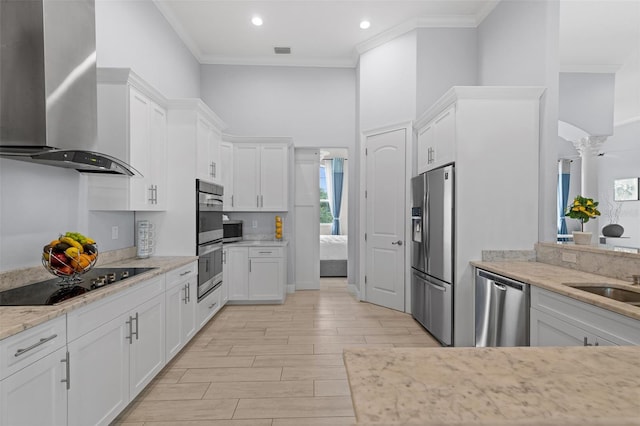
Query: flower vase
pixel 582 238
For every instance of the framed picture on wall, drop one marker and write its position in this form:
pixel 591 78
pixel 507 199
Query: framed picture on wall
pixel 625 189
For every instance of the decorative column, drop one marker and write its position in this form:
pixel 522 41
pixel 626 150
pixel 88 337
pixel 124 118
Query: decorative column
pixel 589 148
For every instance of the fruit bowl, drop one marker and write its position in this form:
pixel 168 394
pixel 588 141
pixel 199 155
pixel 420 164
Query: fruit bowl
pixel 70 255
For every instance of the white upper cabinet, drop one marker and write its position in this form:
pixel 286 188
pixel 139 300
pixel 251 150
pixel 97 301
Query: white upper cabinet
pixel 208 158
pixel 436 141
pixel 226 174
pixel 132 126
pixel 260 176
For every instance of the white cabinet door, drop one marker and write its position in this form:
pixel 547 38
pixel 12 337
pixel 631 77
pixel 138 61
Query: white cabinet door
pixel 547 330
pixel 157 153
pixel 246 177
pixel 274 177
pixel 215 138
pixel 444 138
pixel 266 278
pixel 236 272
pixel 203 147
pixel 180 323
pixel 147 346
pixel 36 395
pixel 425 148
pixel 226 174
pixel 99 374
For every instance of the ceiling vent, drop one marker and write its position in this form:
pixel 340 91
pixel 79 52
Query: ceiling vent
pixel 282 50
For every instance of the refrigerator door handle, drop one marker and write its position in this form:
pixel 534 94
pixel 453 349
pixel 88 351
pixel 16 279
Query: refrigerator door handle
pixel 426 227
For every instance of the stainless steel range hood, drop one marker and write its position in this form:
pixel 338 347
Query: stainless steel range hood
pixel 48 105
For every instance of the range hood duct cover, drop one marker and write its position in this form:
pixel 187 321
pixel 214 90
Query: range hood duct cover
pixel 48 91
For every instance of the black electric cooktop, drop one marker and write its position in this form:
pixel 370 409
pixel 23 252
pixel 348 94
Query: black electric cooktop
pixel 56 290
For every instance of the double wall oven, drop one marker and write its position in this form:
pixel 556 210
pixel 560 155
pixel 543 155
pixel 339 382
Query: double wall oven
pixel 210 234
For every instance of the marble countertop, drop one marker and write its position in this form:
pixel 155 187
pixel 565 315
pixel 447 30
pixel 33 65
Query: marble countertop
pixel 14 319
pixel 495 386
pixel 554 278
pixel 259 243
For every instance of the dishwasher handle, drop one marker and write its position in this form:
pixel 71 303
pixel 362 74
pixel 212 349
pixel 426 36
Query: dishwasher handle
pixel 501 282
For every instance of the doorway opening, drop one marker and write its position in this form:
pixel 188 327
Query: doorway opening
pixel 334 212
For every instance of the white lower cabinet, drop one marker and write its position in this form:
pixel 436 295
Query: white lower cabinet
pixel 181 304
pixel 256 274
pixel 208 307
pixel 112 363
pixel 36 395
pixel 558 320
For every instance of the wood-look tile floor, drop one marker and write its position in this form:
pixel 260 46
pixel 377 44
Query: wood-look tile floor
pixel 272 365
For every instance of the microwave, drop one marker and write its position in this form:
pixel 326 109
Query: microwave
pixel 232 231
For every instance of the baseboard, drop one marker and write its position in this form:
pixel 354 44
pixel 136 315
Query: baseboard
pixel 351 288
pixel 291 288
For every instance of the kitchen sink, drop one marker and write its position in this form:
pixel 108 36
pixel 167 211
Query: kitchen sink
pixel 619 294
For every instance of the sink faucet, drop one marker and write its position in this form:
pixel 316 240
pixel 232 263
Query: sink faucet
pixel 636 279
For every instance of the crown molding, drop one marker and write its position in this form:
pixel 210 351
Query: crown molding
pixel 183 34
pixel 630 120
pixel 280 61
pixel 591 68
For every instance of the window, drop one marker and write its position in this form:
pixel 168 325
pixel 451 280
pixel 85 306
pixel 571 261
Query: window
pixel 325 209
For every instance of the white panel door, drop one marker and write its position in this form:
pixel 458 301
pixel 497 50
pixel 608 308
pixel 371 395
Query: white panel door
pixel 265 278
pixel 236 272
pixel 307 227
pixel 385 212
pixel 246 177
pixel 147 346
pixel 99 363
pixel 36 395
pixel 226 174
pixel 274 177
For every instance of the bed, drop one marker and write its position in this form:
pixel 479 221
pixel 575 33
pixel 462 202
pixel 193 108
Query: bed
pixel 333 255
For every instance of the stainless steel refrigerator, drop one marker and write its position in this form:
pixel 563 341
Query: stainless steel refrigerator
pixel 432 251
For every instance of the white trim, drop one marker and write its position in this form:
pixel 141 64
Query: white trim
pixel 257 139
pixel 107 75
pixel 168 14
pixel 352 289
pixel 291 288
pixel 571 133
pixel 486 11
pixel 627 121
pixel 477 92
pixel 280 61
pixel 590 68
pixel 201 107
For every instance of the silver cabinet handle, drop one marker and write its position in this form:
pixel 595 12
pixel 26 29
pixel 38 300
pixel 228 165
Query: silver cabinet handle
pixel 137 324
pixel 214 168
pixel 249 265
pixel 257 201
pixel 213 305
pixel 232 201
pixel 224 257
pixel 185 273
pixel 40 342
pixel 265 252
pixel 67 380
pixel 399 242
pixel 184 289
pixel 188 292
pixel 130 323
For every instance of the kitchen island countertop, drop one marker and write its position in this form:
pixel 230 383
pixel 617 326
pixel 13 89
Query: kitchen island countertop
pixel 14 319
pixel 495 386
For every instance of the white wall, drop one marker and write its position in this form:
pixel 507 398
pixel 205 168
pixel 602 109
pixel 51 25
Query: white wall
pixel 134 34
pixel 518 45
pixel 38 202
pixel 387 83
pixel 314 106
pixel 586 100
pixel 446 57
pixel 621 160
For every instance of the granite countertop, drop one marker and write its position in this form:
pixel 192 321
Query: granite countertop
pixel 14 319
pixel 553 278
pixel 259 243
pixel 495 386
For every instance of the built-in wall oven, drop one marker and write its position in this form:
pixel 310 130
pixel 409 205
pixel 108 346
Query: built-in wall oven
pixel 210 233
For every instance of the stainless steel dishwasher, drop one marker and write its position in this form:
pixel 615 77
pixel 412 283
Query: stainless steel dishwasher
pixel 502 311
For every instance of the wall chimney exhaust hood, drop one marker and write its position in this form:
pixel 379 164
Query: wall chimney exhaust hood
pixel 48 92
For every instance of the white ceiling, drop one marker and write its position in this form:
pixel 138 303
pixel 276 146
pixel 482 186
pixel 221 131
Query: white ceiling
pixel 595 35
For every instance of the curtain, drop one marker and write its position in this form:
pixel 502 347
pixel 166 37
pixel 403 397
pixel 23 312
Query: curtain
pixel 328 174
pixel 337 169
pixel 564 173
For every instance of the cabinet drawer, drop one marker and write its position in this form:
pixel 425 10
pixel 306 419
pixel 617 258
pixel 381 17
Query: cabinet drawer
pixel 610 325
pixel 208 307
pixel 179 274
pixel 97 313
pixel 29 346
pixel 265 252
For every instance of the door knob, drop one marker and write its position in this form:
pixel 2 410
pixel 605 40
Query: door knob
pixel 399 242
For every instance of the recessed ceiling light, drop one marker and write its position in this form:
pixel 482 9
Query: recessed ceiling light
pixel 256 20
pixel 365 24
